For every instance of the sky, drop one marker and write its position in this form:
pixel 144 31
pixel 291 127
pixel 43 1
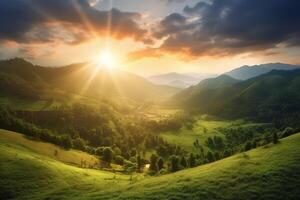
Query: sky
pixel 152 36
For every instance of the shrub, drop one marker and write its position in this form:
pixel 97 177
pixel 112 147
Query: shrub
pixel 174 161
pixel 119 160
pixel 79 143
pixel 107 155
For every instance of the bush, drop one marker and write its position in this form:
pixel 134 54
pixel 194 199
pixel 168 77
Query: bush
pixel 107 155
pixel 79 143
pixel 119 160
pixel 99 151
pixel 129 167
pixel 163 172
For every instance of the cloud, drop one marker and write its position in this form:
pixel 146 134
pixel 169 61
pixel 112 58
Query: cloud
pixel 69 21
pixel 230 27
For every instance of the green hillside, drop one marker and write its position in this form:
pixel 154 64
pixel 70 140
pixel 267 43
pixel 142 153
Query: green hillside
pixel 32 170
pixel 269 172
pixel 19 78
pixel 272 97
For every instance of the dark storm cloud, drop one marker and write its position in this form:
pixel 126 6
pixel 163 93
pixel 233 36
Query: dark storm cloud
pixel 172 24
pixel 67 20
pixel 222 27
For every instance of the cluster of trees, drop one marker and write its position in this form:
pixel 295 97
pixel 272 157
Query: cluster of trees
pixel 162 147
pixel 9 121
pixel 159 165
pixel 97 132
pixel 215 142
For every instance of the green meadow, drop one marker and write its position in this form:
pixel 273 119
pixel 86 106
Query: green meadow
pixel 201 129
pixel 271 172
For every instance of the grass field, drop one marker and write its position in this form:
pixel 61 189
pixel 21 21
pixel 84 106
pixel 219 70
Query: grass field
pixel 71 157
pixel 269 172
pixel 201 130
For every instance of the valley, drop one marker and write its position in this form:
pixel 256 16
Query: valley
pixel 118 130
pixel 149 100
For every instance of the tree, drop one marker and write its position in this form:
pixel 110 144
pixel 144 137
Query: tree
pixel 160 164
pixel 248 146
pixel 218 142
pixel 275 138
pixel 183 162
pixel 210 156
pixel 153 163
pixel 79 143
pixel 217 156
pixel 210 142
pixel 192 160
pixel 66 141
pixel 174 161
pixel 107 155
pixel 226 153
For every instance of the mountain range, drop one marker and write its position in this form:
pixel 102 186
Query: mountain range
pixel 246 72
pixel 273 96
pixel 180 80
pixel 21 78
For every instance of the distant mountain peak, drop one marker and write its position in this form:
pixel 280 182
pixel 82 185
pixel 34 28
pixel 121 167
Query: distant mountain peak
pixel 246 72
pixel 181 80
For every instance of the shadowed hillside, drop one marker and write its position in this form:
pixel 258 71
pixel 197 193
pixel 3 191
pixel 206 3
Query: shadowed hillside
pixel 274 96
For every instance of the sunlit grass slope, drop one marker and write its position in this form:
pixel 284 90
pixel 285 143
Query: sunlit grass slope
pixel 29 170
pixel 72 157
pixel 270 172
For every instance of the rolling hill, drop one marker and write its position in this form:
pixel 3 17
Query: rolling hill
pixel 268 172
pixel 274 96
pixel 27 81
pixel 246 72
pixel 204 93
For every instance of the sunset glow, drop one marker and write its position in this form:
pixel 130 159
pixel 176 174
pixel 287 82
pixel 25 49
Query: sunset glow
pixel 105 59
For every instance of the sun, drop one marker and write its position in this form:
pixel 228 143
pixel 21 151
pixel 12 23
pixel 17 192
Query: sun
pixel 105 59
